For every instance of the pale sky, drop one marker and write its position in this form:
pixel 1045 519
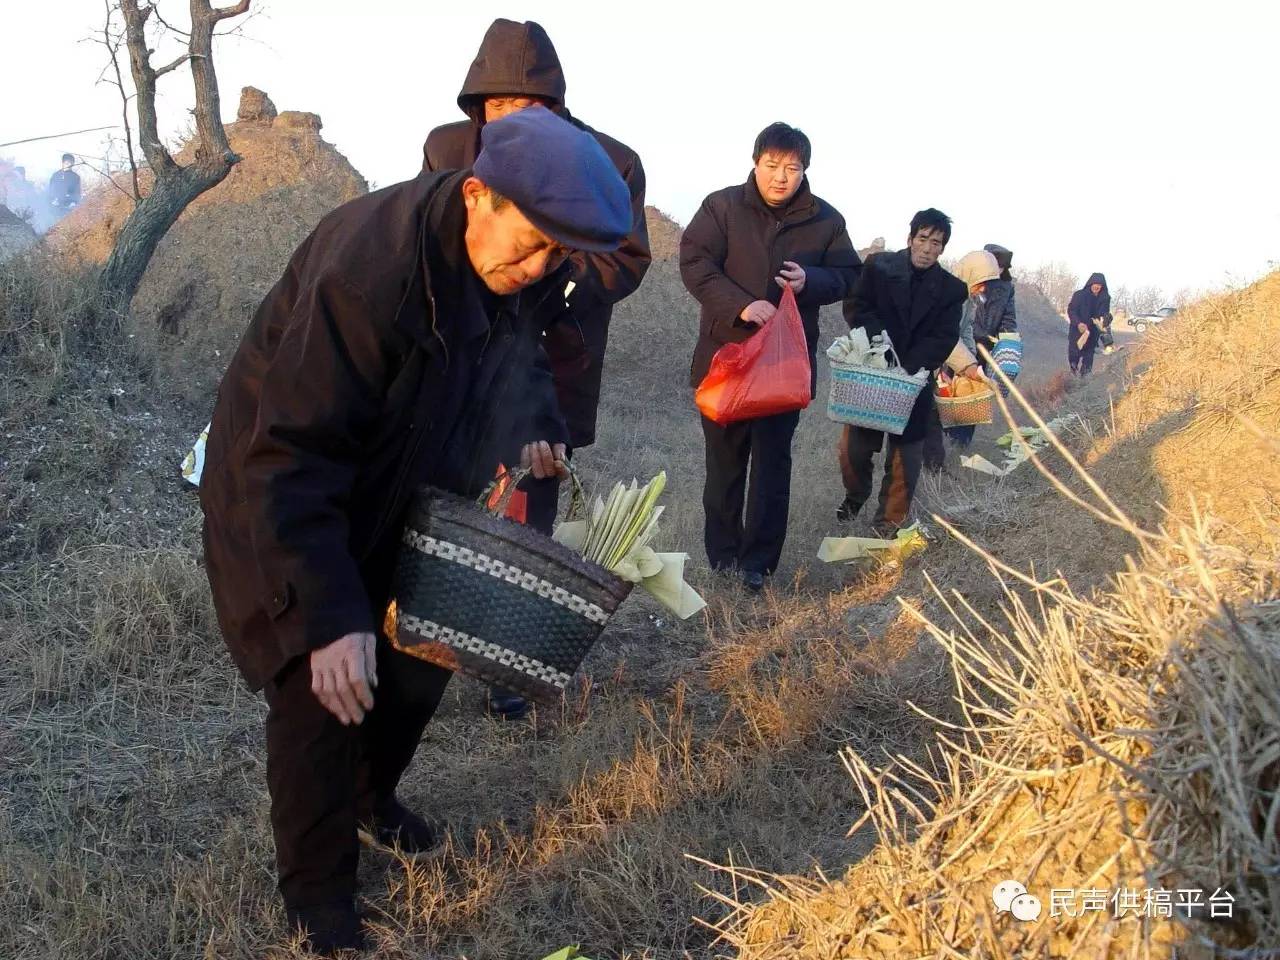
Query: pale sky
pixel 1137 138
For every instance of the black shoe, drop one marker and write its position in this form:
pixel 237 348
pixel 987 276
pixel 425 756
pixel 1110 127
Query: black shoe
pixel 329 927
pixel 753 581
pixel 847 511
pixel 506 705
pixel 396 827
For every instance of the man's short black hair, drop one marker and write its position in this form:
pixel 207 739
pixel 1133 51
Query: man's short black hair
pixel 67 156
pixel 932 219
pixel 782 138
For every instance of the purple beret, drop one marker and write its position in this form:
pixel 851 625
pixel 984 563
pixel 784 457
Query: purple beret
pixel 559 177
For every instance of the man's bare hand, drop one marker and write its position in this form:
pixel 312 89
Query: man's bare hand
pixel 791 274
pixel 545 460
pixel 757 312
pixel 344 674
pixel 1083 327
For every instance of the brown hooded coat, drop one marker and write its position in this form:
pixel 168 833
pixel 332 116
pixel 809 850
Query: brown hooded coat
pixel 518 59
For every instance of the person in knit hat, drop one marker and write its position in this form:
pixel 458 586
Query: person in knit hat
pixel 402 347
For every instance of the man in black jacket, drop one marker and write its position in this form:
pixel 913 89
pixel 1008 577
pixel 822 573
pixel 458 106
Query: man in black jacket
pixel 404 327
pixel 64 188
pixel 517 66
pixel 908 296
pixel 742 246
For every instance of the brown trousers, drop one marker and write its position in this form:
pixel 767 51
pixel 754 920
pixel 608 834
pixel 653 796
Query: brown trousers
pixel 902 464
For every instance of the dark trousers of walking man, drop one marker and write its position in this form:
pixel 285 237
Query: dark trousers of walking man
pixel 748 491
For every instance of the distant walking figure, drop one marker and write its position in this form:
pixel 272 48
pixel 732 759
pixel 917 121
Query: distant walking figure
pixel 1089 315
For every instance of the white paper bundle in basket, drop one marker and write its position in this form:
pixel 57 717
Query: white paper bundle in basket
pixel 879 397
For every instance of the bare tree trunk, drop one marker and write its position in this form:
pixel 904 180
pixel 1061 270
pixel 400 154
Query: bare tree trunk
pixel 174 186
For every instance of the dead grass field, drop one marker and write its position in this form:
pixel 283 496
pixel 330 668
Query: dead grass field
pixel 133 811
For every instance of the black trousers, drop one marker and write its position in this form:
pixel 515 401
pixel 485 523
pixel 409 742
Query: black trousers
pixel 902 465
pixel 325 778
pixel 747 495
pixel 934 448
pixel 1081 360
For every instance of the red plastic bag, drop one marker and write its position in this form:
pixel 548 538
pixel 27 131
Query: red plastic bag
pixel 764 375
pixel 518 507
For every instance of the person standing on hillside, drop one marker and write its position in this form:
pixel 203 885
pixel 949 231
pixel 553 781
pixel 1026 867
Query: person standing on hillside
pixel 987 313
pixel 1000 294
pixel 517 66
pixel 745 243
pixel 404 329
pixel 63 194
pixel 979 319
pixel 908 296
pixel 1088 316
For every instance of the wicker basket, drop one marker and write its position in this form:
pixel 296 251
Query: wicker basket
pixel 496 600
pixel 870 397
pixel 966 411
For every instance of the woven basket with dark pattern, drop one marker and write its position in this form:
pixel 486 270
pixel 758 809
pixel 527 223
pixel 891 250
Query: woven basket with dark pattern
pixel 493 599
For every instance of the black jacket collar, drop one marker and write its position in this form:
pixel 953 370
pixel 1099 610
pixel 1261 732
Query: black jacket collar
pixel 801 207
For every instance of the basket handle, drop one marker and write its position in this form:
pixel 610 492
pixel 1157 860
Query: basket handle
pixel 514 476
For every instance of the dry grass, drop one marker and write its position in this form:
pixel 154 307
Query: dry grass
pixel 1121 738
pixel 132 802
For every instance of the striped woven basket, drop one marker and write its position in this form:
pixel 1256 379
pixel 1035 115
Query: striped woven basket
pixel 967 411
pixel 870 397
pixel 494 599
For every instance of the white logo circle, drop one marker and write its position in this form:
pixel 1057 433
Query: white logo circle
pixel 1004 893
pixel 1025 907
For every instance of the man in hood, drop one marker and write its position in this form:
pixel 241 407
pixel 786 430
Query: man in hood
pixel 1088 317
pixel 398 349
pixel 515 68
pixel 918 305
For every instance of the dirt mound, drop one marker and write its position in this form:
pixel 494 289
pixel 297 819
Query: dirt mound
pixel 664 234
pixel 16 234
pixel 228 248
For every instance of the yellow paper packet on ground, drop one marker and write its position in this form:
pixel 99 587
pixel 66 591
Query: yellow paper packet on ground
pixel 908 542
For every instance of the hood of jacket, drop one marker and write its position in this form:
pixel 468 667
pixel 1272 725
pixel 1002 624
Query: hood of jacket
pixel 1097 278
pixel 514 59
pixel 1004 257
pixel 977 267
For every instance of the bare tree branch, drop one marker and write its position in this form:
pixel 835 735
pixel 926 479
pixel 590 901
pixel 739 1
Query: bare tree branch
pixel 144 82
pixel 105 173
pixel 208 112
pixel 225 13
pixel 113 46
pixel 174 186
pixel 173 66
pixel 170 27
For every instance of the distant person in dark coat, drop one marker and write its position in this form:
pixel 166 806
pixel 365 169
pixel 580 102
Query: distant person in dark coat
pixel 742 246
pixel 403 329
pixel 918 304
pixel 1088 316
pixel 63 194
pixel 516 67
